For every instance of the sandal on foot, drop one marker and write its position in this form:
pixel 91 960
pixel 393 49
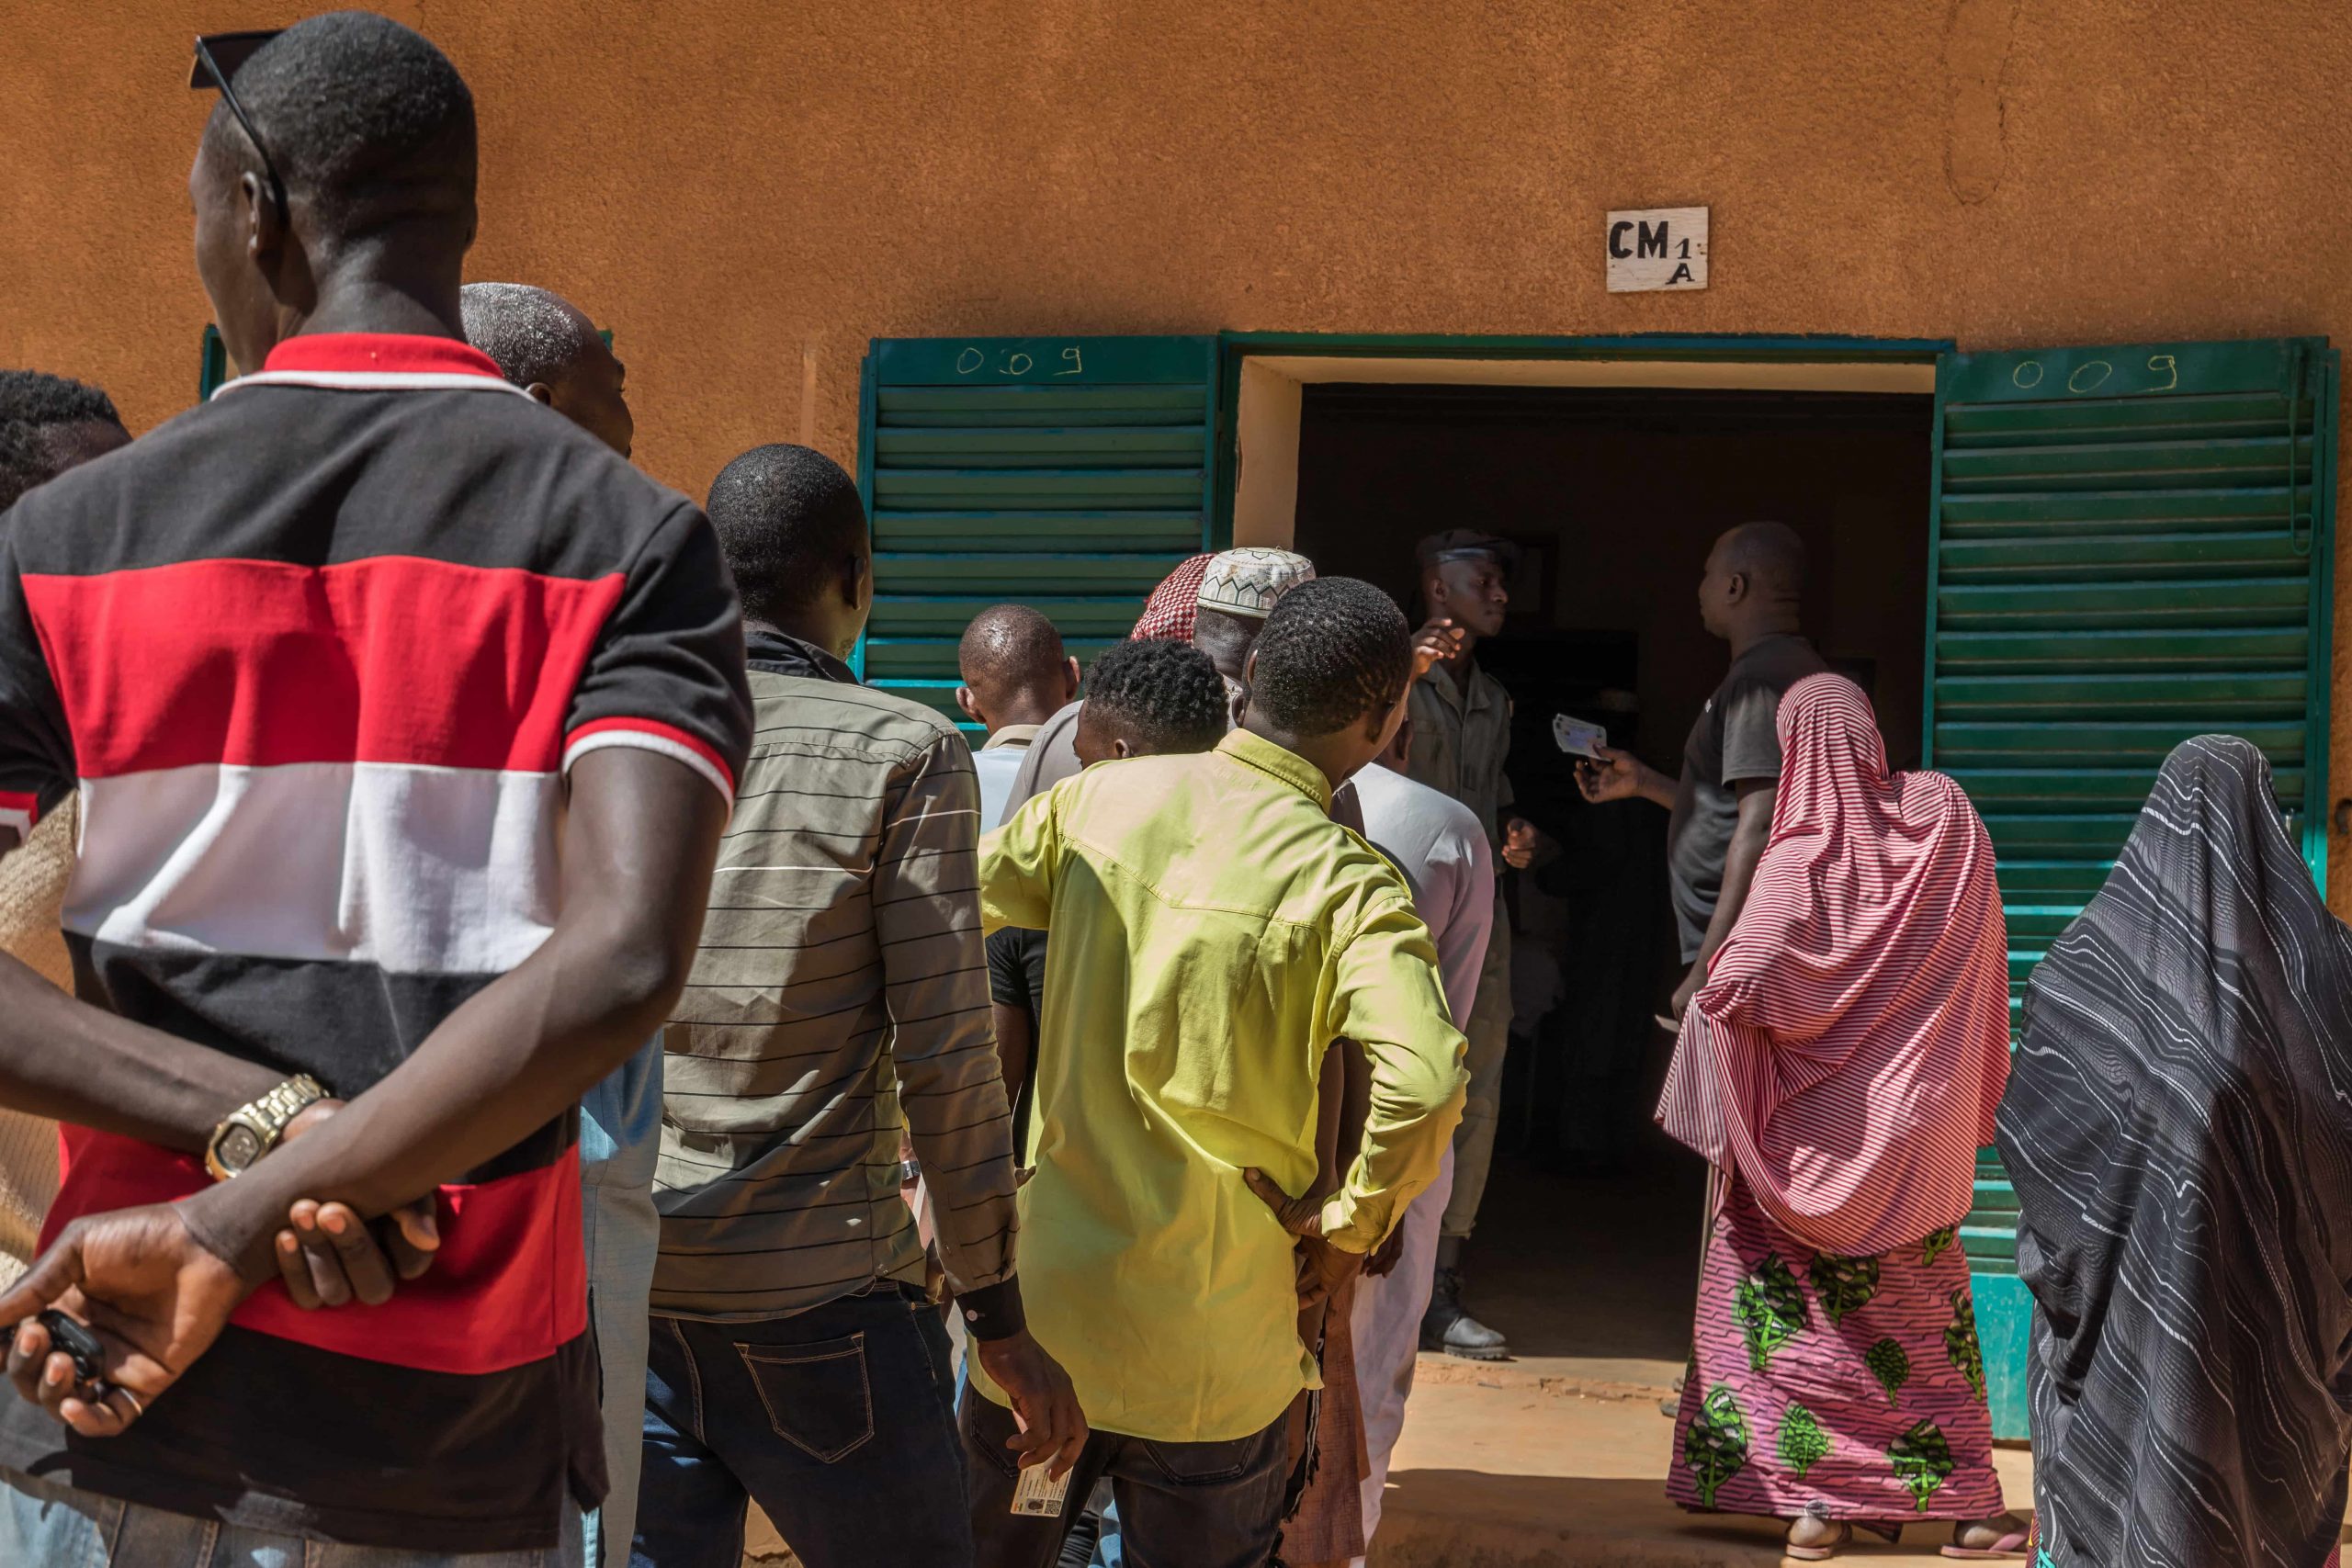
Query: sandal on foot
pixel 1826 1550
pixel 2010 1545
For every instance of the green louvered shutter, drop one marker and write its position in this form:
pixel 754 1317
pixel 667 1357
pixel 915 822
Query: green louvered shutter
pixel 1066 473
pixel 2133 546
pixel 213 363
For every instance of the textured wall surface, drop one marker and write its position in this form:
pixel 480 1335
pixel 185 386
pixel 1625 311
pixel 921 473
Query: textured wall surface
pixel 738 187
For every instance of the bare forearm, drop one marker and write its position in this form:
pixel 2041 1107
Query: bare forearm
pixel 498 1069
pixel 66 1059
pixel 1656 788
pixel 636 874
pixel 1747 840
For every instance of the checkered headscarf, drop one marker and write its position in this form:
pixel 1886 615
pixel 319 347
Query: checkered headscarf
pixel 1173 604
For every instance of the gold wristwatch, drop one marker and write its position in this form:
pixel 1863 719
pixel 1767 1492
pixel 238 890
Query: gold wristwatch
pixel 252 1131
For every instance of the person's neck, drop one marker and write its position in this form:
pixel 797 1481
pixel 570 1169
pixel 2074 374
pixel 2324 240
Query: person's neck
pixel 1762 629
pixel 1024 707
pixel 811 629
pixel 417 301
pixel 1330 754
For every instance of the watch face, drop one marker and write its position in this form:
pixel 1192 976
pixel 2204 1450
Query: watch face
pixel 240 1146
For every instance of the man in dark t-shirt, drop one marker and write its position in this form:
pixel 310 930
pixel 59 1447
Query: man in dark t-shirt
pixel 1722 805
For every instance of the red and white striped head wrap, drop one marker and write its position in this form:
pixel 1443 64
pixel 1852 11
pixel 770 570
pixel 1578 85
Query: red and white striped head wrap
pixel 1850 1047
pixel 1171 610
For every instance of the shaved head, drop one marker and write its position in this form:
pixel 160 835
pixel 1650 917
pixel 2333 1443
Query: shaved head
pixel 534 335
pixel 1008 644
pixel 547 346
pixel 1014 667
pixel 1768 553
pixel 1754 582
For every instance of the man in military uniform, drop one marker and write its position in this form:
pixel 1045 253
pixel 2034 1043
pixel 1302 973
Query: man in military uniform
pixel 1461 736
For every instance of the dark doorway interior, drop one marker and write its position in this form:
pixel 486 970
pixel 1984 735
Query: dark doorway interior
pixel 1617 495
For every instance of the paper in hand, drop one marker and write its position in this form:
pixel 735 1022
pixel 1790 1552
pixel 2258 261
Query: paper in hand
pixel 1038 1496
pixel 1578 739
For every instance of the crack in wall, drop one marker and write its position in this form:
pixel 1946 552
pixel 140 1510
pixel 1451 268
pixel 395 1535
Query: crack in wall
pixel 1977 38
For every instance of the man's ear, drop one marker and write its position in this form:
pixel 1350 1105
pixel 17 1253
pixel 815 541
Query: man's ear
pixel 971 708
pixel 1249 670
pixel 265 233
pixel 857 572
pixel 1735 587
pixel 1070 678
pixel 540 392
pixel 1119 747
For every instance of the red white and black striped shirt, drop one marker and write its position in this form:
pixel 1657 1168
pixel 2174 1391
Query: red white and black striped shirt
pixel 316 657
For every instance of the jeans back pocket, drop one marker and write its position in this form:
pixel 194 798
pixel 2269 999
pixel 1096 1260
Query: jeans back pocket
pixel 818 1397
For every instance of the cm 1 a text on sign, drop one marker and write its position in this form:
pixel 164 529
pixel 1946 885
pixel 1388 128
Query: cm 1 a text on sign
pixel 1658 247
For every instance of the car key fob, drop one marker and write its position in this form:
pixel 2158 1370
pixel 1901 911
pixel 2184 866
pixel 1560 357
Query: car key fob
pixel 65 1334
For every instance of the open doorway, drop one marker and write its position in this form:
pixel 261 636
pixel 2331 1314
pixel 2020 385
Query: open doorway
pixel 1586 1242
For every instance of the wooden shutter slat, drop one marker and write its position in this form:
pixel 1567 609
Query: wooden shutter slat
pixel 2125 549
pixel 1066 474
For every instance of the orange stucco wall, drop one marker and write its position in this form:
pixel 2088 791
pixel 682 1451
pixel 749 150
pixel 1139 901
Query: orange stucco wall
pixel 738 188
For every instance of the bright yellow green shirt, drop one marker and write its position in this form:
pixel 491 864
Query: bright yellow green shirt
pixel 1214 930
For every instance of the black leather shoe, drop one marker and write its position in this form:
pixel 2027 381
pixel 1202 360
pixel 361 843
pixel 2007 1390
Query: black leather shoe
pixel 1449 1328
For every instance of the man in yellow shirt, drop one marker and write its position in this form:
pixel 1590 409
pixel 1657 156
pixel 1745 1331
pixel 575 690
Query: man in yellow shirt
pixel 1214 931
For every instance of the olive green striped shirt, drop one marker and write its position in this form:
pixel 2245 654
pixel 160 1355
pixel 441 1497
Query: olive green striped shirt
pixel 840 997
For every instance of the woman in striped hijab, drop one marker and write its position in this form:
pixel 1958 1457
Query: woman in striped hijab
pixel 1840 1069
pixel 2180 1134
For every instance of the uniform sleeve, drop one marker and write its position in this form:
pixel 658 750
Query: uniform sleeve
pixel 37 765
pixel 933 976
pixel 666 675
pixel 1017 865
pixel 1751 734
pixel 1386 997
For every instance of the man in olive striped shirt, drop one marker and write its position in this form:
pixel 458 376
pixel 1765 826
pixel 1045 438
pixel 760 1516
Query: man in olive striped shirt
pixel 839 1000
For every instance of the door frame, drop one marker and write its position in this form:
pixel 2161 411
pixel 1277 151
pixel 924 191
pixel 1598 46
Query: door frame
pixel 1692 351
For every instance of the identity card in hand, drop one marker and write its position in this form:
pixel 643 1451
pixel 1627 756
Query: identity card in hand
pixel 1578 739
pixel 1037 1494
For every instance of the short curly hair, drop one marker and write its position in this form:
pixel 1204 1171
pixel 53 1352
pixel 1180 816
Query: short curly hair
pixel 1335 651
pixel 366 122
pixel 1166 694
pixel 32 404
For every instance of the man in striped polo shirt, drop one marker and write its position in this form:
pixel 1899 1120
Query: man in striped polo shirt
pixel 839 1001
pixel 404 718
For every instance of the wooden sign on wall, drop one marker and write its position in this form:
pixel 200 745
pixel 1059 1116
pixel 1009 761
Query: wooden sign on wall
pixel 1658 247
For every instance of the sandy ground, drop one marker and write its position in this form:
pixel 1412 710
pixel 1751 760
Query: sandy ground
pixel 1562 1463
pixel 1557 1463
pixel 1559 1457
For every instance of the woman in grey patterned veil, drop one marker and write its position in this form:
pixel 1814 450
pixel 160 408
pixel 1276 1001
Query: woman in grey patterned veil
pixel 2179 1125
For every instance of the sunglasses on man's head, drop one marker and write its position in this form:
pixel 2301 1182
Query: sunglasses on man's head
pixel 218 57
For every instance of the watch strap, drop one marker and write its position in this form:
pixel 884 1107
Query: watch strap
pixel 265 1119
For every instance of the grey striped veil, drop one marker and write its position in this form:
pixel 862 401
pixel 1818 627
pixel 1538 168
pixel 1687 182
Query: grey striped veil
pixel 2178 1124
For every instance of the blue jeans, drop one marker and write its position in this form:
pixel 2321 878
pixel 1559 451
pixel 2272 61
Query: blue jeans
pixel 620 1137
pixel 1213 1505
pixel 60 1527
pixel 838 1420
